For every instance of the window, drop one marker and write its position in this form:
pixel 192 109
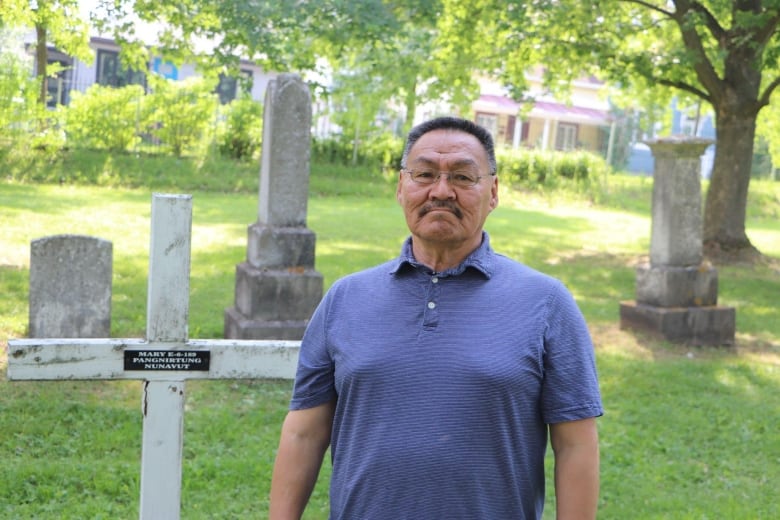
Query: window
pixel 58 86
pixel 112 73
pixel 227 88
pixel 566 137
pixel 489 121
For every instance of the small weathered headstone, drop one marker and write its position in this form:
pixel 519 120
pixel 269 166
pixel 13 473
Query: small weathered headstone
pixel 70 287
pixel 677 290
pixel 277 288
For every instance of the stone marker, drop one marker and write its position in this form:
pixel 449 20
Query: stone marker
pixel 677 291
pixel 277 288
pixel 70 287
pixel 164 360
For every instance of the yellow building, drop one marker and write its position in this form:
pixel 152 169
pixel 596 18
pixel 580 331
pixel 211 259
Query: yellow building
pixel 545 123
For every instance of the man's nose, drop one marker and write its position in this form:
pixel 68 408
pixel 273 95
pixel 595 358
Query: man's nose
pixel 441 187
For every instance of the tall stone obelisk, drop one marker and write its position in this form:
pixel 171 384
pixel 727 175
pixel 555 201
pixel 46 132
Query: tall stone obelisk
pixel 277 288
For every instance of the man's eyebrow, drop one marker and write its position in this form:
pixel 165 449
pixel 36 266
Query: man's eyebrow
pixel 456 163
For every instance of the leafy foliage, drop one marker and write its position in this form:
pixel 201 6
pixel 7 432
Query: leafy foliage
pixel 175 115
pixel 241 135
pixel 179 112
pixel 17 89
pixel 536 168
pixel 106 117
pixel 26 124
pixel 769 128
pixel 382 151
pixel 56 22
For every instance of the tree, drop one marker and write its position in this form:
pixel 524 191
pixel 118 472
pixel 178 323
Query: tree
pixel 381 44
pixel 387 44
pixel 724 52
pixel 56 22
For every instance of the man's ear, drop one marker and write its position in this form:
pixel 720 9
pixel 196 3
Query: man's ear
pixel 494 193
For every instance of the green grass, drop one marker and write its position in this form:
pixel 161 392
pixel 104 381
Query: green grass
pixel 688 432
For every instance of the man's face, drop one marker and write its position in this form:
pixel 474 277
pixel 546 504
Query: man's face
pixel 439 213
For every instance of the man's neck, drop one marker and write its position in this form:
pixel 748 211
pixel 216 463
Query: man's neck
pixel 440 257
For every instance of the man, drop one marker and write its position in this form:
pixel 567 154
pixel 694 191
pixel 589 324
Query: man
pixel 436 377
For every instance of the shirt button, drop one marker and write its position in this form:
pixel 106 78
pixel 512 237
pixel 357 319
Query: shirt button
pixel 434 280
pixel 431 305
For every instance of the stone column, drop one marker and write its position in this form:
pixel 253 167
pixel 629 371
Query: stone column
pixel 277 288
pixel 677 290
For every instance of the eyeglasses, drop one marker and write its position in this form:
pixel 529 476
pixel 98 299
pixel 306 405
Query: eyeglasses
pixel 460 179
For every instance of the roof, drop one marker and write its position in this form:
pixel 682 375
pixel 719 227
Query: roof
pixel 491 103
pixel 561 112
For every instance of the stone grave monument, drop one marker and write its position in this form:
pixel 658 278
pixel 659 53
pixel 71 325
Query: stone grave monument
pixel 677 290
pixel 70 287
pixel 277 288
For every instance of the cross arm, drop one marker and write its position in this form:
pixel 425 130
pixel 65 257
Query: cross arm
pixel 58 359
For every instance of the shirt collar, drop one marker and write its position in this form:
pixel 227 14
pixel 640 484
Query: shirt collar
pixel 480 259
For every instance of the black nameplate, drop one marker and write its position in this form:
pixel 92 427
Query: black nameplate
pixel 167 360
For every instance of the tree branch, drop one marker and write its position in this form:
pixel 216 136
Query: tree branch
pixel 650 6
pixel 684 87
pixel 768 30
pixel 692 41
pixel 716 30
pixel 767 94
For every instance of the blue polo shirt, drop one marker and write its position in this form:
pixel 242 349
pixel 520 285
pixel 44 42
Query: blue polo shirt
pixel 445 384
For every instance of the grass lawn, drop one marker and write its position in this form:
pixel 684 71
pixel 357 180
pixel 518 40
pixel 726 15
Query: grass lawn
pixel 689 433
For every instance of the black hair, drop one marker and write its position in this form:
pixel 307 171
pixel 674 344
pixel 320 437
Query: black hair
pixel 452 123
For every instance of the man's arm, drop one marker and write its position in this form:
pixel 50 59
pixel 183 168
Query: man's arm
pixel 576 448
pixel 305 438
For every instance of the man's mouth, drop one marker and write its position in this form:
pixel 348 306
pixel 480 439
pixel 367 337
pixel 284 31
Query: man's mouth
pixel 441 205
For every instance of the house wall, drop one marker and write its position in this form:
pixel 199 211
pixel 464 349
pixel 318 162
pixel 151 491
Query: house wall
pixel 84 75
pixel 591 138
pixel 588 137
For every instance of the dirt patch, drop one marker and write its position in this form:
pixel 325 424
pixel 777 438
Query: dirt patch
pixel 738 256
pixel 610 338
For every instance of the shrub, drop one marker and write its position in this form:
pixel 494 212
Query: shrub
pixel 332 150
pixel 537 168
pixel 241 134
pixel 105 117
pixel 26 122
pixel 378 151
pixel 180 112
pixel 17 96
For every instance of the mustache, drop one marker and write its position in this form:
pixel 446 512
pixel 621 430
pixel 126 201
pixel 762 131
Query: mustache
pixel 440 204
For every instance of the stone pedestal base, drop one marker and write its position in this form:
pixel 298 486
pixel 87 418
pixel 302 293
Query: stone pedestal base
pixel 712 325
pixel 277 288
pixel 671 286
pixel 272 303
pixel 240 327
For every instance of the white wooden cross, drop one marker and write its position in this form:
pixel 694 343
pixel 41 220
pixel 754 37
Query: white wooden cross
pixel 164 360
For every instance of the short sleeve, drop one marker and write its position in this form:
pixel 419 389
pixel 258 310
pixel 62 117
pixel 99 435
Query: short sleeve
pixel 314 378
pixel 570 390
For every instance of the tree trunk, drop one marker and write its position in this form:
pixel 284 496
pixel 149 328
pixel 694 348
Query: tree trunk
pixel 735 100
pixel 410 103
pixel 42 59
pixel 726 203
